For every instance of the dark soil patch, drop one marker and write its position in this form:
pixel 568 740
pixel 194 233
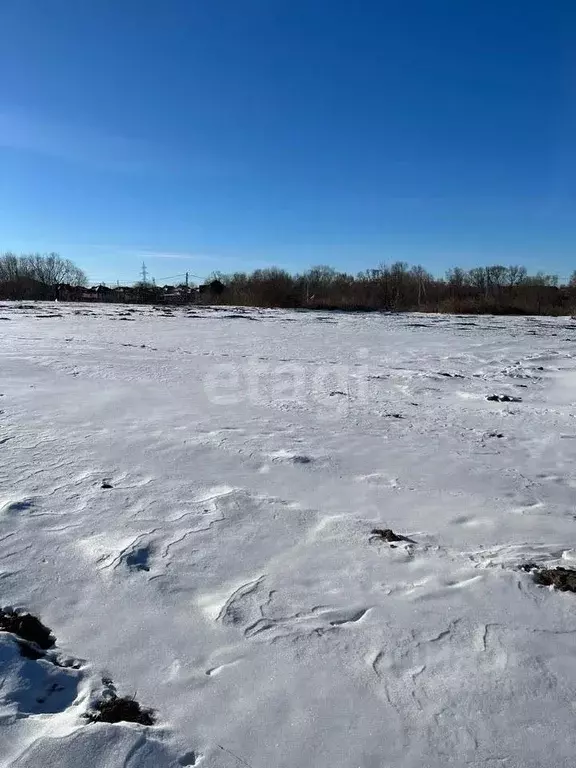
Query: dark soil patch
pixel 387 534
pixel 451 375
pixel 120 710
pixel 338 392
pixel 26 627
pixel 301 460
pixel 563 579
pixel 394 416
pixel 495 434
pixel 504 399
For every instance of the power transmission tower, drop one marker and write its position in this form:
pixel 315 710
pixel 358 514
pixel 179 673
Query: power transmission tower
pixel 144 273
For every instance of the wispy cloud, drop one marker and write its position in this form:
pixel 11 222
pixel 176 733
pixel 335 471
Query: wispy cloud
pixel 74 143
pixel 206 260
pixel 151 254
pixel 181 256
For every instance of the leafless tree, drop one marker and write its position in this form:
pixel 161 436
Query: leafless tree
pixel 19 274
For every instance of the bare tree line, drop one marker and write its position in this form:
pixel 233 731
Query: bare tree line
pixel 400 287
pixel 34 276
pixel 390 287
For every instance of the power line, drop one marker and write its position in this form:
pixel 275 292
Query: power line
pixel 172 277
pixel 183 274
pixel 144 272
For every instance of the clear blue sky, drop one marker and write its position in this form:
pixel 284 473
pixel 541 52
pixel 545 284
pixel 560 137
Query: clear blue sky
pixel 209 135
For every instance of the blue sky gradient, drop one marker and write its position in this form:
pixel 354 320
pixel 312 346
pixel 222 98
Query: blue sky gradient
pixel 233 134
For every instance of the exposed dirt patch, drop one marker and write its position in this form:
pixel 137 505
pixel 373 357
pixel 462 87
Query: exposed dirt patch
pixel 563 579
pixel 26 627
pixel 301 460
pixel 120 709
pixel 504 399
pixel 387 534
pixel 34 639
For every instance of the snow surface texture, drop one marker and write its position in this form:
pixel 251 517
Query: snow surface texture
pixel 187 498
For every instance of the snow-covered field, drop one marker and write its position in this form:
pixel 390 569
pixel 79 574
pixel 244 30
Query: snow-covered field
pixel 229 578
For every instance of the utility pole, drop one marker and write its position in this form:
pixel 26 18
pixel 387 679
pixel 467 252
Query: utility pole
pixel 144 273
